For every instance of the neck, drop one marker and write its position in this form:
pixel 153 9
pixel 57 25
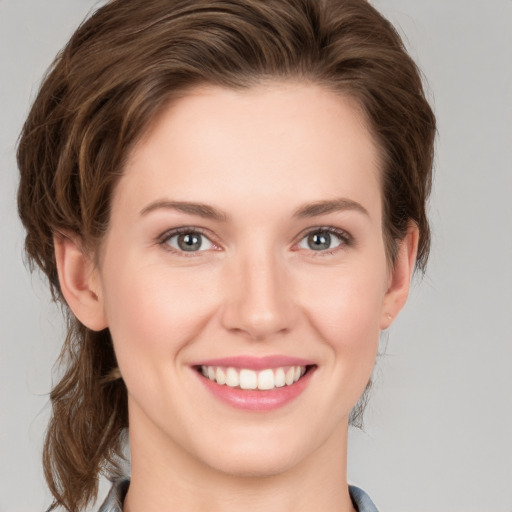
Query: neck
pixel 165 478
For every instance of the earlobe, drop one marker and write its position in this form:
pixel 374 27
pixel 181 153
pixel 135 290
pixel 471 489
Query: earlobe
pixel 400 277
pixel 79 282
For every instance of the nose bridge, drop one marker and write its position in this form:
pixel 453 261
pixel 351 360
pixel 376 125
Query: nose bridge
pixel 258 300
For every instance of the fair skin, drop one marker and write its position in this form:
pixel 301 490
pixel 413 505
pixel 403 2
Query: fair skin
pixel 268 272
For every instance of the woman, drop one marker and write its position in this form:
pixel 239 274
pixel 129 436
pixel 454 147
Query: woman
pixel 229 198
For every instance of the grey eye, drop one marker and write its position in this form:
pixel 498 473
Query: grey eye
pixel 320 240
pixel 189 242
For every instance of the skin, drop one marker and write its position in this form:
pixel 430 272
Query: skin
pixel 257 288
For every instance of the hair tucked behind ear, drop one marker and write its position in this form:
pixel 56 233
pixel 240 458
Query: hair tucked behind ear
pixel 118 71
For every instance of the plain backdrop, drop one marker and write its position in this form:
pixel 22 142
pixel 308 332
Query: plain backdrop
pixel 439 427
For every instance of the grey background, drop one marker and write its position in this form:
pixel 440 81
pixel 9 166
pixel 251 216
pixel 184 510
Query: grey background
pixel 439 427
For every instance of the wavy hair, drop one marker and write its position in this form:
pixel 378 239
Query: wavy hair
pixel 119 69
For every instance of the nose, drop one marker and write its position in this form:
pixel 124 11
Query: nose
pixel 258 300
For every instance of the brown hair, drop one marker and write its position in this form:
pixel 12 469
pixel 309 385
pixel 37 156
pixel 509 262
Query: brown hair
pixel 116 73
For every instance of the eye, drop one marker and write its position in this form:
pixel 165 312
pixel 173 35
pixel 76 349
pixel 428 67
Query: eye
pixel 324 239
pixel 188 240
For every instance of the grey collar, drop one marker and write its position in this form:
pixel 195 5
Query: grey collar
pixel 115 498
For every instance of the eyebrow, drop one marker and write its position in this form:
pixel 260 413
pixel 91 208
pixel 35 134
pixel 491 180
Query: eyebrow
pixel 199 209
pixel 329 206
pixel 209 212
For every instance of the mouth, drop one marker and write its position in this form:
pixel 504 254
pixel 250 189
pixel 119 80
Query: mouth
pixel 255 384
pixel 248 379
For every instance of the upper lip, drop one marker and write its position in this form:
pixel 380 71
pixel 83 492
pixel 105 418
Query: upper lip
pixel 255 363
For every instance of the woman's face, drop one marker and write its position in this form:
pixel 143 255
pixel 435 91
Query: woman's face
pixel 246 245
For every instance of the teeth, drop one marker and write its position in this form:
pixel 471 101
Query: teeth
pixel 220 376
pixel 248 379
pixel 266 379
pixel 244 378
pixel 279 378
pixel 232 379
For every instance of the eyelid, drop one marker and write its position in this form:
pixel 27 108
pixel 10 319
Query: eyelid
pixel 167 235
pixel 347 240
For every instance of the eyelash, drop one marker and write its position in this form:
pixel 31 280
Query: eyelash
pixel 163 240
pixel 346 240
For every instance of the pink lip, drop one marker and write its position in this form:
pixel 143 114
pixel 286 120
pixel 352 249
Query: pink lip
pixel 255 363
pixel 256 400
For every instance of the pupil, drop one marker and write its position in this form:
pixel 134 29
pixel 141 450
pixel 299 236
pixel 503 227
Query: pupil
pixel 319 241
pixel 189 242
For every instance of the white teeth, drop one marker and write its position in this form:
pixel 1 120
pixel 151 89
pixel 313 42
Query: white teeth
pixel 220 376
pixel 244 378
pixel 266 379
pixel 232 379
pixel 248 379
pixel 279 379
pixel 290 375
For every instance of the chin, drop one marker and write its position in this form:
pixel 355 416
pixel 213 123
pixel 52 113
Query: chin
pixel 249 465
pixel 257 456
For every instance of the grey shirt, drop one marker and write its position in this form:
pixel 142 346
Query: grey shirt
pixel 115 498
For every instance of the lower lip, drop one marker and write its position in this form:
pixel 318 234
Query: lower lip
pixel 254 399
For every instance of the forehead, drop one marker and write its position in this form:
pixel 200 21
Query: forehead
pixel 281 142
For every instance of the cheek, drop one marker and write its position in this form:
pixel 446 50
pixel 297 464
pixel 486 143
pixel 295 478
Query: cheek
pixel 344 305
pixel 153 313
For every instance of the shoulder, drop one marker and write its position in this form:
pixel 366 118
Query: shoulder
pixel 362 502
pixel 114 500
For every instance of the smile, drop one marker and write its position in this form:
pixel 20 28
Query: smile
pixel 245 378
pixel 256 384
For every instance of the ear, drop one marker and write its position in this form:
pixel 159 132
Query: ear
pixel 79 281
pixel 400 277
